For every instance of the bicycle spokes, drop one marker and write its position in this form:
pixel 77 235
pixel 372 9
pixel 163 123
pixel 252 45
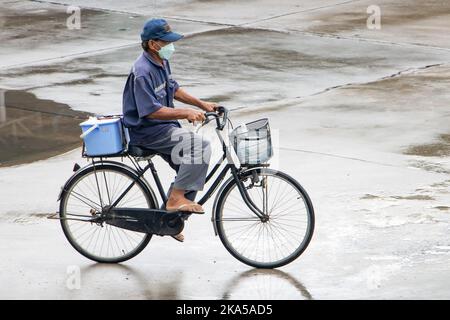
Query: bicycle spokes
pixel 270 241
pixel 87 199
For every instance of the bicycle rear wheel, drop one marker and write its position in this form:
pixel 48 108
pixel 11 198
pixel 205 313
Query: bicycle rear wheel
pixel 276 242
pixel 84 198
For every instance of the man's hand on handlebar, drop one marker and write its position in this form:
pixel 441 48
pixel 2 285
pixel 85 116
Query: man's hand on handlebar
pixel 209 106
pixel 195 115
pixel 220 113
pixel 198 116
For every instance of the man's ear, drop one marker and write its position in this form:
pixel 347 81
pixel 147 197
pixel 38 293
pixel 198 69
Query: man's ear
pixel 149 44
pixel 152 45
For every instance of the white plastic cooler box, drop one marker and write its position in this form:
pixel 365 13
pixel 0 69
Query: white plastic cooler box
pixel 104 136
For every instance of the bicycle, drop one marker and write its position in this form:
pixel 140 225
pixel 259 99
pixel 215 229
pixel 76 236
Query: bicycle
pixel 109 212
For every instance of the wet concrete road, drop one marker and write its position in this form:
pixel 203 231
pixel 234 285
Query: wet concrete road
pixel 361 119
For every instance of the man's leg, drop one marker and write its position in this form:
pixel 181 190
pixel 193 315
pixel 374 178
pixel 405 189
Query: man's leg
pixel 189 194
pixel 189 155
pixel 192 164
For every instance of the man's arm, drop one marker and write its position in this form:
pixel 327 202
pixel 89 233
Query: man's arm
pixel 165 113
pixel 182 96
pixel 148 105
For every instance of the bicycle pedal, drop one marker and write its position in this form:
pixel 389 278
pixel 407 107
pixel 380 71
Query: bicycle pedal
pixel 189 213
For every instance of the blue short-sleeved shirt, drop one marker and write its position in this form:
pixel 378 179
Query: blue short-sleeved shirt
pixel 149 87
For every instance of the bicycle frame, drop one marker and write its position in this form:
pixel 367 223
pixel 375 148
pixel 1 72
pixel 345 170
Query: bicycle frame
pixel 104 215
pixel 229 166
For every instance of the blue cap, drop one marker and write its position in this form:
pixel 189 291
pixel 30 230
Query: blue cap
pixel 159 29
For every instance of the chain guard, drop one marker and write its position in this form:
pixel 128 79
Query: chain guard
pixel 154 221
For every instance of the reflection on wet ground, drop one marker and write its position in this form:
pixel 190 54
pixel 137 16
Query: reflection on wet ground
pixel 143 285
pixel 258 284
pixel 261 284
pixel 32 129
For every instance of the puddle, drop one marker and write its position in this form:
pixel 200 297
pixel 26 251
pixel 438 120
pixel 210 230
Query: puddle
pixel 33 129
pixel 354 17
pixel 440 148
pixel 428 166
pixel 31 218
pixel 442 208
pixel 413 197
pixel 369 196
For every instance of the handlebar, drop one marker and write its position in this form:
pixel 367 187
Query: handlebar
pixel 221 111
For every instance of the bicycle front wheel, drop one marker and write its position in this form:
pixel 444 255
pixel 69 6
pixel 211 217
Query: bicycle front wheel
pixel 272 243
pixel 86 195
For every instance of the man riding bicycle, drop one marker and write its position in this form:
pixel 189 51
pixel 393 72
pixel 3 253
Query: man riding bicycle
pixel 152 120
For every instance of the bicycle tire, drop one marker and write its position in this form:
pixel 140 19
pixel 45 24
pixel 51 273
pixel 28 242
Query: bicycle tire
pixel 225 190
pixel 152 202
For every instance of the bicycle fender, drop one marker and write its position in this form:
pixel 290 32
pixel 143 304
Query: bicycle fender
pixel 66 184
pixel 114 163
pixel 216 200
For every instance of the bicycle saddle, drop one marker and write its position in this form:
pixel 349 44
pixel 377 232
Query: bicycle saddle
pixel 138 151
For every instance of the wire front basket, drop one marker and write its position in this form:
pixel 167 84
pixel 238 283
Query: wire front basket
pixel 252 142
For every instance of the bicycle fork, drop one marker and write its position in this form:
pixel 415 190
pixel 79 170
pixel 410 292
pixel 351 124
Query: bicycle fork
pixel 248 201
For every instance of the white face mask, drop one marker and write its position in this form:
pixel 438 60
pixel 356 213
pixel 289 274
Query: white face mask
pixel 166 51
